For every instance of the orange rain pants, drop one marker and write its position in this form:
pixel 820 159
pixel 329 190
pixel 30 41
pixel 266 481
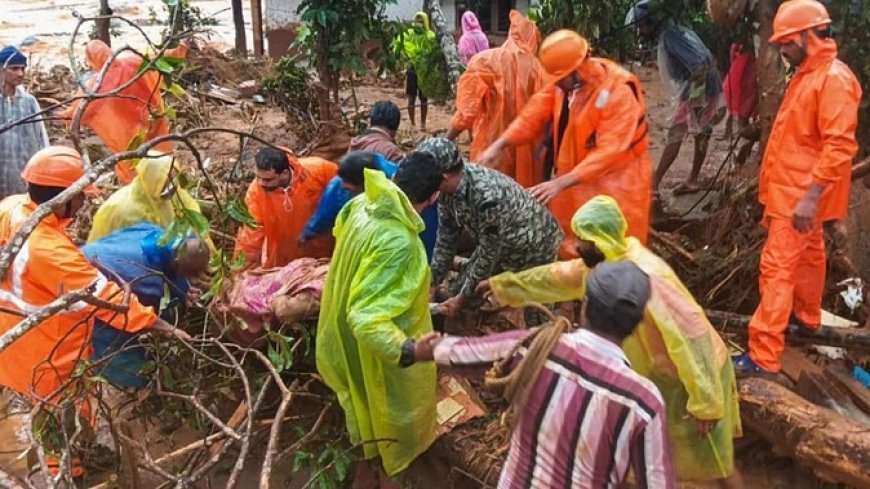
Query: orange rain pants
pixel 117 120
pixel 605 144
pixel 812 141
pixel 281 216
pixel 495 87
pixel 792 280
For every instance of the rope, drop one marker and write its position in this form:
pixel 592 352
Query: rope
pixel 515 385
pixel 715 177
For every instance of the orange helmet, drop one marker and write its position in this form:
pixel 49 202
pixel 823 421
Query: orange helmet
pixel 796 16
pixel 562 52
pixel 55 166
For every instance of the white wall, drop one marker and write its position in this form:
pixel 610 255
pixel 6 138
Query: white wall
pixel 280 13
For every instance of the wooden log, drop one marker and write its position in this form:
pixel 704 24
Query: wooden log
pixel 448 44
pixel 835 448
pixel 854 339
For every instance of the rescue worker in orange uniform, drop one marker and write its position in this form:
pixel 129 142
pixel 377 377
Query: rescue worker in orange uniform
pixel 599 142
pixel 138 108
pixel 49 265
pixel 281 200
pixel 495 87
pixel 805 180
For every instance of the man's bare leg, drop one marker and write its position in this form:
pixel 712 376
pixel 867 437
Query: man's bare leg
pixel 702 143
pixel 668 156
pixel 424 110
pixel 412 101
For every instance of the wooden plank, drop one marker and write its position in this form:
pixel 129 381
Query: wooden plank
pixel 841 376
pixel 795 363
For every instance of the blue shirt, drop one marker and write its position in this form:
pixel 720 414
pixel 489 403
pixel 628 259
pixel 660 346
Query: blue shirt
pixel 335 196
pixel 132 255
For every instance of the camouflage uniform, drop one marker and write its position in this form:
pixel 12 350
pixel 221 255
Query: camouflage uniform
pixel 513 231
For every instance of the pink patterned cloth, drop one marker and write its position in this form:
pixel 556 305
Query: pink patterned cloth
pixel 251 296
pixel 473 38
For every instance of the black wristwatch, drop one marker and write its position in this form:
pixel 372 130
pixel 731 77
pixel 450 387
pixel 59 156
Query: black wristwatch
pixel 407 359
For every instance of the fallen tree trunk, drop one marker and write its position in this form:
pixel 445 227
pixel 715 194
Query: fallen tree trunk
pixel 856 339
pixel 448 44
pixel 836 449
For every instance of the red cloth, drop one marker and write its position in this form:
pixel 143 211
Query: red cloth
pixel 741 84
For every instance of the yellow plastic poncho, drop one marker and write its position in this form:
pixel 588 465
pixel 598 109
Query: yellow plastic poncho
pixel 675 346
pixel 375 297
pixel 140 200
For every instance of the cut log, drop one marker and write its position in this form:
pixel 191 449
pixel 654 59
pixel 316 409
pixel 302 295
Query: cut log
pixel 833 447
pixel 448 44
pixel 854 339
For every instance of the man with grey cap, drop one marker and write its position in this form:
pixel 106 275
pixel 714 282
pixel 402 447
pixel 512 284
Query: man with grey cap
pixel 513 230
pixel 17 143
pixel 581 417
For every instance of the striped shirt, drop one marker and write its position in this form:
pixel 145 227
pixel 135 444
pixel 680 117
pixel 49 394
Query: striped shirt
pixel 18 143
pixel 588 419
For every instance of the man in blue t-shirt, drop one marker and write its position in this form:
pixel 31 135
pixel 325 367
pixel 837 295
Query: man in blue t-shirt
pixel 136 256
pixel 348 184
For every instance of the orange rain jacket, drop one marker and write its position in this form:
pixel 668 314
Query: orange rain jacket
pixel 48 266
pixel 495 87
pixel 117 120
pixel 813 137
pixel 605 144
pixel 282 215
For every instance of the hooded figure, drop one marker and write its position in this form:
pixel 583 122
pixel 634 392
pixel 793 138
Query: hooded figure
pixel 805 179
pixel 493 90
pixel 418 48
pixel 675 346
pixel 473 39
pixel 152 196
pixel 118 120
pixel 375 301
pixel 593 114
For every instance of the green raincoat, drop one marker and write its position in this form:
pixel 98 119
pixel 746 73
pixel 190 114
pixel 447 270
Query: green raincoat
pixel 675 346
pixel 419 49
pixel 376 296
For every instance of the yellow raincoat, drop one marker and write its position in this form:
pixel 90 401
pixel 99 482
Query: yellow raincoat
pixel 376 296
pixel 140 201
pixel 675 346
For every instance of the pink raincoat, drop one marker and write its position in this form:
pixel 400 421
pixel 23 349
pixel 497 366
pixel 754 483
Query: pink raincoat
pixel 473 38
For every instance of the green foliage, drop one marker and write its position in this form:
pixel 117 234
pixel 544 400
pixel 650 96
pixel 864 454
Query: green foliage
pixel 338 31
pixel 329 468
pixel 290 87
pixel 602 23
pixel 187 18
pixel 851 29
pixel 280 350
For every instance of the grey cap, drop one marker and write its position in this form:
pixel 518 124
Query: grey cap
pixel 445 152
pixel 620 286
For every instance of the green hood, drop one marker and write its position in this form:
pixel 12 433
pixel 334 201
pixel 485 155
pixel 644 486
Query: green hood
pixel 382 199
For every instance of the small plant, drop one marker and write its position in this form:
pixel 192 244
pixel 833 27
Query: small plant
pixel 180 16
pixel 290 87
pixel 329 468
